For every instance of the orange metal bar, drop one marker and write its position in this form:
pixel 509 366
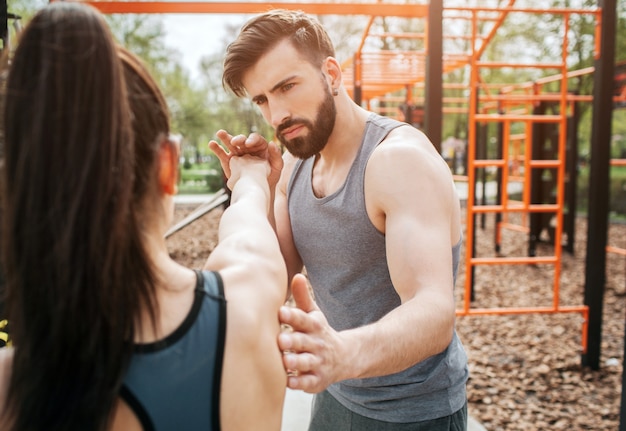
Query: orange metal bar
pixel 495 64
pixel 538 208
pixel 490 162
pixel 471 171
pixel 494 29
pixel 618 162
pixel 408 10
pixel 370 21
pixel 546 11
pixel 560 182
pixel 617 250
pixel 515 227
pixel 597 39
pixel 528 129
pixel 545 164
pixel 514 260
pixel 502 117
pixel 543 97
pixel 506 132
pixel 525 310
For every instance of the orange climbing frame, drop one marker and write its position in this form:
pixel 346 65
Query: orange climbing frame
pixel 511 108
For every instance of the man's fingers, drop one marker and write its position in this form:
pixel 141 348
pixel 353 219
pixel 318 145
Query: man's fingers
pixel 255 142
pixel 297 342
pixel 301 293
pixel 223 136
pixel 301 372
pixel 306 382
pixel 237 145
pixel 298 320
pixel 217 149
pixel 300 363
pixel 222 156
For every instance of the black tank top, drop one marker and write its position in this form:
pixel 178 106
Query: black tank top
pixel 174 383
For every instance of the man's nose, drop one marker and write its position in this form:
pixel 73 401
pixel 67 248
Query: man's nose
pixel 278 114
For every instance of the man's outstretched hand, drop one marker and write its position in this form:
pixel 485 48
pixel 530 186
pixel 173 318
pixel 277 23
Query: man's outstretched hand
pixel 312 351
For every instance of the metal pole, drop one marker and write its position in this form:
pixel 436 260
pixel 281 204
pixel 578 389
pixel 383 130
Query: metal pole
pixel 598 207
pixel 433 94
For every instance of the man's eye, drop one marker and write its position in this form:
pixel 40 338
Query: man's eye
pixel 287 87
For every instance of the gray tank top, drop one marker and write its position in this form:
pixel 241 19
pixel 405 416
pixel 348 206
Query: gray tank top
pixel 346 262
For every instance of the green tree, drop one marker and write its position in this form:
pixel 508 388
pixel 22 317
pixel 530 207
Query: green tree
pixel 189 107
pixel 226 111
pixel 24 9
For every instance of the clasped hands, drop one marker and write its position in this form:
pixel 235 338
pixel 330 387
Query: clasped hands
pixel 254 145
pixel 311 348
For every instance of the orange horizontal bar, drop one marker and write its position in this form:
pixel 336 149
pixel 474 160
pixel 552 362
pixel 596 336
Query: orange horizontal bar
pixel 372 9
pixel 483 163
pixel 616 250
pixel 498 64
pixel 513 97
pixel 522 260
pixel 545 164
pixel 506 117
pixel 515 227
pixel 618 162
pixel 559 76
pixel 524 310
pixel 537 208
pixel 547 79
pixel 550 11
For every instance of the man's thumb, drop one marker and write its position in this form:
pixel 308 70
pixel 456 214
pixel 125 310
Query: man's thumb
pixel 301 293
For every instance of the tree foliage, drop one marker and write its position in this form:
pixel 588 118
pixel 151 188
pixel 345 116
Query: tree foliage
pixel 189 107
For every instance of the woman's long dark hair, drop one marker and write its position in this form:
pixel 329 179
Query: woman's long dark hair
pixel 77 273
pixel 150 123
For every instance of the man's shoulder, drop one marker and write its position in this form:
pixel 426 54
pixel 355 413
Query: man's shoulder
pixel 405 143
pixel 407 153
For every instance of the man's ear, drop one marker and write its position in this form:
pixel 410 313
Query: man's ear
pixel 333 70
pixel 168 167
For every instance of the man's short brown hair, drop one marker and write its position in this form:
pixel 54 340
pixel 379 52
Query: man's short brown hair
pixel 265 31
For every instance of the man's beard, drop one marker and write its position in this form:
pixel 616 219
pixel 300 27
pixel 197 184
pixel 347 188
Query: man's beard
pixel 319 132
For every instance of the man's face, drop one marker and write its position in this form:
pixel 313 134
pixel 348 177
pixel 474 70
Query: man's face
pixel 314 139
pixel 294 97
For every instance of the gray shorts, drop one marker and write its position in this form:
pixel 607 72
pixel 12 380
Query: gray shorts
pixel 329 415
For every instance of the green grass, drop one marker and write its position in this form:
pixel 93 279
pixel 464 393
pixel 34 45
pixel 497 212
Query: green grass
pixel 199 179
